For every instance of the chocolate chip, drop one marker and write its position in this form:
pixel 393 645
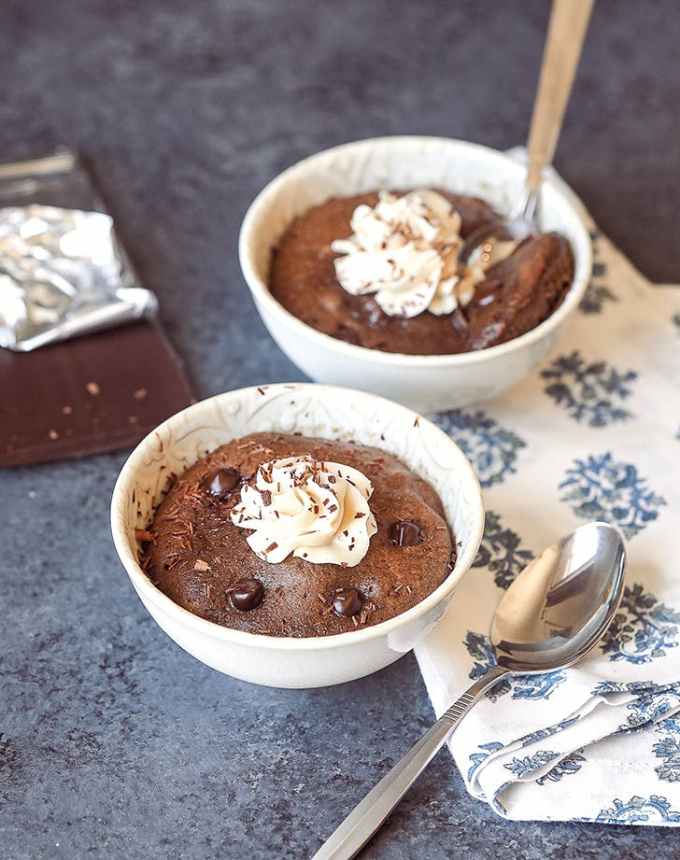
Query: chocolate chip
pixel 247 594
pixel 347 602
pixel 406 533
pixel 221 483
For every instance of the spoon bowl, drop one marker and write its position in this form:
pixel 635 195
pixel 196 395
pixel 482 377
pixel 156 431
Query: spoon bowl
pixel 560 605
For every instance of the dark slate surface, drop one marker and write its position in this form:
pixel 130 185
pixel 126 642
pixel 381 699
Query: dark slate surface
pixel 114 742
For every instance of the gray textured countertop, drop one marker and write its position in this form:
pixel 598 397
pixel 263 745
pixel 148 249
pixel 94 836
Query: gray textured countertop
pixel 113 742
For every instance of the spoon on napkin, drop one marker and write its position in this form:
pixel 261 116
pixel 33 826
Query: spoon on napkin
pixel 553 614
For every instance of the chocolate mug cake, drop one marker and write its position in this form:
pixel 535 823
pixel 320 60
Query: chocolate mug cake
pixel 421 272
pixel 286 535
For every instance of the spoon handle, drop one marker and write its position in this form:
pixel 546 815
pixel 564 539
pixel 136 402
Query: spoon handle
pixel 368 816
pixel 566 34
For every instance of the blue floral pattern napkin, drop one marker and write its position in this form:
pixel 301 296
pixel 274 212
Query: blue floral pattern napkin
pixel 593 434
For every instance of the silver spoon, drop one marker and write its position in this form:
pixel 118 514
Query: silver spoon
pixel 566 34
pixel 552 615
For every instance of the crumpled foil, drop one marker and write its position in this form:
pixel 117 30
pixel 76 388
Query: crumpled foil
pixel 62 272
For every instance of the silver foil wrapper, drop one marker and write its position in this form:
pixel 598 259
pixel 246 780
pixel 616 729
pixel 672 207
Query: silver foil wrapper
pixel 62 271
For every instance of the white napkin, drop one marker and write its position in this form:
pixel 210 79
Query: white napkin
pixel 593 434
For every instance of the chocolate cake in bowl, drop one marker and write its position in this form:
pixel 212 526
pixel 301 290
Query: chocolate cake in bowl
pixel 296 535
pixel 424 272
pixel 384 265
pixel 288 535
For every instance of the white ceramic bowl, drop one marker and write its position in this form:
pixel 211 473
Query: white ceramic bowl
pixel 313 410
pixel 426 383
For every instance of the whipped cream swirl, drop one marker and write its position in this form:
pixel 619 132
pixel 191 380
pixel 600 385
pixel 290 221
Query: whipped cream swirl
pixel 316 510
pixel 406 250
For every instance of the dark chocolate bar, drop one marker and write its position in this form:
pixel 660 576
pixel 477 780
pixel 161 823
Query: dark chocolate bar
pixel 95 393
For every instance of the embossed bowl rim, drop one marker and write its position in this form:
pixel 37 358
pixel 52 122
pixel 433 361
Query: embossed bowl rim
pixel 267 197
pixel 127 552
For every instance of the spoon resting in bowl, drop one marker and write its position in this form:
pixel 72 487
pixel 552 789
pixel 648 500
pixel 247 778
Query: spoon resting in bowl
pixel 566 34
pixel 553 614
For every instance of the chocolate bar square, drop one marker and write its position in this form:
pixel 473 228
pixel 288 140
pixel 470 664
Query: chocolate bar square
pixel 96 393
